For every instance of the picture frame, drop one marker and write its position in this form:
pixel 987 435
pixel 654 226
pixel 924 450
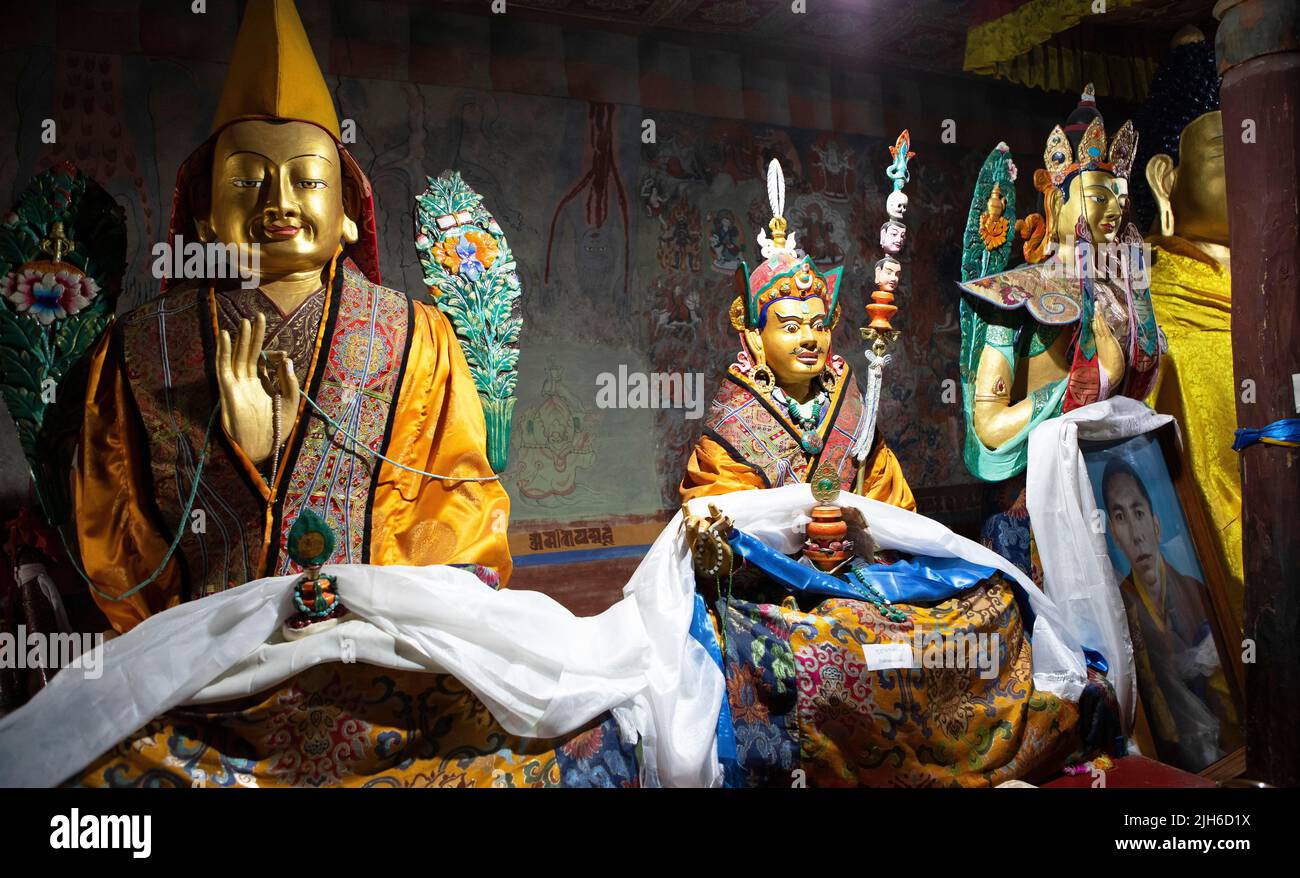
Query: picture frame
pixel 1187 644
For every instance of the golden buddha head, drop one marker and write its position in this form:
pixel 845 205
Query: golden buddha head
pixel 1193 195
pixel 279 185
pixel 1185 127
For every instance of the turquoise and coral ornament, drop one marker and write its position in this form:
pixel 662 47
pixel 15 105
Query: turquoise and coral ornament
pixel 315 594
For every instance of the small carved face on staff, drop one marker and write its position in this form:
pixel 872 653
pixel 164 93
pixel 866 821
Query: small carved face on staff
pixel 887 270
pixel 893 235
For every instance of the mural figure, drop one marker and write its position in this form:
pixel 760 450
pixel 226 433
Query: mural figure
pixel 554 446
pixel 725 241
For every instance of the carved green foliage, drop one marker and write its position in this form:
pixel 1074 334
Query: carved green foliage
pixel 976 260
pixel 470 270
pixel 42 374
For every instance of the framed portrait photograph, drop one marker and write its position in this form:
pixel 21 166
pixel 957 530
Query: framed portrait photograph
pixel 1186 655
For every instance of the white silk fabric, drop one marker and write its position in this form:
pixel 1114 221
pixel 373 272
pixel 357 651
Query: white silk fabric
pixel 540 670
pixel 1077 573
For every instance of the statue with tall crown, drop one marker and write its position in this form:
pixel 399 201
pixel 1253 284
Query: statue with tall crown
pixel 1071 326
pixel 317 430
pixel 1075 324
pixel 788 406
pixel 1191 286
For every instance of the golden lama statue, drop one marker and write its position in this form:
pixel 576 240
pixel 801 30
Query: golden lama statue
pixel 156 461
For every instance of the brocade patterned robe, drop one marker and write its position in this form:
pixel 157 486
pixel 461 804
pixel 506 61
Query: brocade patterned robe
pixel 386 368
pixel 748 443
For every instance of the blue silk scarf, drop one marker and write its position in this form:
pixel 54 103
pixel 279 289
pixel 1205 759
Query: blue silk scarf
pixel 919 579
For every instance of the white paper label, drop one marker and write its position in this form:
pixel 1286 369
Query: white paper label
pixel 884 656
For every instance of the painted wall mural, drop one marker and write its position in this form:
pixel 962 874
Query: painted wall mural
pixel 626 248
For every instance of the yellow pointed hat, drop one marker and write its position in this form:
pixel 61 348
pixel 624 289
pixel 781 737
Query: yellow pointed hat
pixel 273 71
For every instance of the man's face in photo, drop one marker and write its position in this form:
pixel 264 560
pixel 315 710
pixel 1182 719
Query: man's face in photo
pixel 1133 525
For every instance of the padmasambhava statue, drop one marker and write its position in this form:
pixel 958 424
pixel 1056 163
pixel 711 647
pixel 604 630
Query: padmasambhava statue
pixel 385 371
pixel 797 640
pixel 788 407
pixel 1053 336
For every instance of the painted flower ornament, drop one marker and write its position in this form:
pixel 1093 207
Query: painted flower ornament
pixel 62 257
pixel 50 289
pixel 468 254
pixel 470 271
pixel 49 295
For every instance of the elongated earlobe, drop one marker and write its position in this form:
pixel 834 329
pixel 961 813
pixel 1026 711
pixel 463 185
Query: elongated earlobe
pixel 349 230
pixel 1162 176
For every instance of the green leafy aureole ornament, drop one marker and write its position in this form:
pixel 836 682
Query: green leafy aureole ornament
pixel 62 256
pixel 315 595
pixel 470 271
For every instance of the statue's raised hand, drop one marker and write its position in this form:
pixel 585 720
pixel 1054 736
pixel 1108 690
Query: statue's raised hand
pixel 247 412
pixel 1109 354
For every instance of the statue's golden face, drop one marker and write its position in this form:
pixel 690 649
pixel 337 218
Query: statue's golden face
pixel 1101 196
pixel 796 339
pixel 280 186
pixel 1200 196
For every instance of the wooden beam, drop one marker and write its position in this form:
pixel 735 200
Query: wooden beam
pixel 1258 58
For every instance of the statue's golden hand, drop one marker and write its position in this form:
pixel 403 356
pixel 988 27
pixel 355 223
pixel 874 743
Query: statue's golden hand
pixel 1109 354
pixel 703 546
pixel 246 407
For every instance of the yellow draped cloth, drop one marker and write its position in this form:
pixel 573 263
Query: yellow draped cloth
pixel 437 426
pixel 713 470
pixel 1025 46
pixel 1192 296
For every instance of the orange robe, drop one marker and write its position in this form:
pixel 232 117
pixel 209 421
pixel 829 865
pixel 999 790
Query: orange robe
pixel 748 444
pixel 150 399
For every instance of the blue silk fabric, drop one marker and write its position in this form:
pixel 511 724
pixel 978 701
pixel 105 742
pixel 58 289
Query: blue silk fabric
pixel 919 579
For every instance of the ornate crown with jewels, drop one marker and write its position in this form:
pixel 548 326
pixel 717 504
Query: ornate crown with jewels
pixel 786 273
pixel 1068 152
